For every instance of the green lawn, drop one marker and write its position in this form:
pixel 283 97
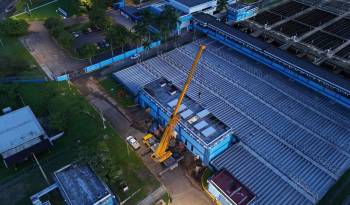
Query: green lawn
pixel 27 65
pixel 84 129
pixel 46 11
pixel 117 92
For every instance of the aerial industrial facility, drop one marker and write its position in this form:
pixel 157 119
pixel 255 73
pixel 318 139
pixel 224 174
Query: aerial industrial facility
pixel 289 118
pixel 250 98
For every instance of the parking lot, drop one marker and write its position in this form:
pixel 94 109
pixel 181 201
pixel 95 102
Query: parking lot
pixel 88 38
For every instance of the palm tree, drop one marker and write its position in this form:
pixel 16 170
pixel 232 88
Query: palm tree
pixel 117 36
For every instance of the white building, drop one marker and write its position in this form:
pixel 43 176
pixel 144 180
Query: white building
pixel 21 135
pixel 192 6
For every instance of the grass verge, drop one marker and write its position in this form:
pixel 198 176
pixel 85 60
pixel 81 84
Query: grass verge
pixel 27 66
pixel 117 92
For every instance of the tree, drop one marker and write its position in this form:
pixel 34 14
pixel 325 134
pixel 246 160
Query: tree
pixel 53 22
pixel 88 51
pixel 100 159
pixel 117 36
pixel 167 22
pixel 141 31
pixel 147 17
pixel 135 39
pixel 65 39
pixel 86 3
pixel 14 27
pixel 98 17
pixel 222 4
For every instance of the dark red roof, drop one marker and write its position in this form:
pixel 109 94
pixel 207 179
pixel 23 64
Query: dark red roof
pixel 232 188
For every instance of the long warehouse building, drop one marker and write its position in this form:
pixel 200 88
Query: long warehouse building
pixel 291 138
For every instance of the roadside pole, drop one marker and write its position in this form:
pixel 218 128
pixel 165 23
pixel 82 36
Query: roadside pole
pixel 41 169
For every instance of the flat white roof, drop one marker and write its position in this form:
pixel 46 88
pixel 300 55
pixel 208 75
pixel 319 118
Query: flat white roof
pixel 19 130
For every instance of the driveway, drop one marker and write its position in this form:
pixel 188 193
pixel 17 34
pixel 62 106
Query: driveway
pixel 51 58
pixel 181 189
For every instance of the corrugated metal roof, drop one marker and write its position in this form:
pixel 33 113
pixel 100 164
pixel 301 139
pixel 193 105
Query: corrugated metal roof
pixel 19 130
pixel 295 130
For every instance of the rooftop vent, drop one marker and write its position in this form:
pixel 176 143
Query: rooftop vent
pixel 162 84
pixel 172 90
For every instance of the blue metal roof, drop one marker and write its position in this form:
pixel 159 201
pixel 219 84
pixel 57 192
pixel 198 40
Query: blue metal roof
pixel 192 3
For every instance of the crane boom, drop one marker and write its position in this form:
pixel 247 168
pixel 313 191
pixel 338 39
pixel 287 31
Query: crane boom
pixel 161 153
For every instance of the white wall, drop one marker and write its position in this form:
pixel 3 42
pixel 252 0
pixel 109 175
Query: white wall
pixel 189 10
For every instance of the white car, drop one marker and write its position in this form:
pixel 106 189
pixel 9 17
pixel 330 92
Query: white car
pixel 135 56
pixel 76 34
pixel 133 142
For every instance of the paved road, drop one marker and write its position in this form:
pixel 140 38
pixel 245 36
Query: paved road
pixel 51 58
pixel 179 186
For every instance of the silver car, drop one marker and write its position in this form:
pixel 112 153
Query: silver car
pixel 133 142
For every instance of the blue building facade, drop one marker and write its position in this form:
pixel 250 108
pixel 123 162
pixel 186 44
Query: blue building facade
pixel 203 134
pixel 240 12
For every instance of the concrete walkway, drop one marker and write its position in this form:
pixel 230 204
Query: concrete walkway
pixel 154 196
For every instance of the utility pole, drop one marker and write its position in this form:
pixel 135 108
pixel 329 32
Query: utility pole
pixel 41 169
pixel 30 13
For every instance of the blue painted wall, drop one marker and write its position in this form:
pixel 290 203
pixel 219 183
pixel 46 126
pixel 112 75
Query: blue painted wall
pixel 64 77
pixel 205 153
pixel 117 58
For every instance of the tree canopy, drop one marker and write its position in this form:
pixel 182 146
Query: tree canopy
pixel 222 5
pixel 101 161
pixel 98 17
pixel 14 27
pixel 118 36
pixel 88 51
pixel 56 29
